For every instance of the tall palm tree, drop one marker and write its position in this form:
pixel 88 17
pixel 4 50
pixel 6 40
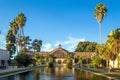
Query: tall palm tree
pixel 99 13
pixel 21 20
pixel 14 29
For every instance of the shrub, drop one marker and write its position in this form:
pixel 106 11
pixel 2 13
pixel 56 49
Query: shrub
pixel 69 65
pixel 23 59
pixel 49 64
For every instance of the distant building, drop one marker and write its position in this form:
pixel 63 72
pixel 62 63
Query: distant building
pixel 60 53
pixel 4 56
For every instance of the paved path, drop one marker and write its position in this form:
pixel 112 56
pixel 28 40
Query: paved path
pixel 10 69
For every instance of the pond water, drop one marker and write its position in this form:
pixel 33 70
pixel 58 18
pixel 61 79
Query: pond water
pixel 57 73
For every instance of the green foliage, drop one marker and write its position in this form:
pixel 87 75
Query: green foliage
pixel 96 61
pixel 80 59
pixel 69 65
pixel 86 47
pixel 50 64
pixel 68 57
pixel 114 44
pixel 13 62
pixel 38 59
pixel 114 41
pixel 10 40
pixel 100 12
pixel 23 59
pixel 36 45
pixel 24 42
pixel 37 74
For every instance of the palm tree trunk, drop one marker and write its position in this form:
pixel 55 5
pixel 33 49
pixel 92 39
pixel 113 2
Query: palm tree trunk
pixel 113 63
pixel 100 30
pixel 22 31
pixel 107 63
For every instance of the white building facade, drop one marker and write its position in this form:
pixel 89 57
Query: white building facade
pixel 4 56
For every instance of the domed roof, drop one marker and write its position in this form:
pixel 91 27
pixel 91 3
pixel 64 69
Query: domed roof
pixel 59 49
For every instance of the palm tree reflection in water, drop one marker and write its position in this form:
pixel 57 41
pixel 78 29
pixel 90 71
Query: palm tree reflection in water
pixel 37 74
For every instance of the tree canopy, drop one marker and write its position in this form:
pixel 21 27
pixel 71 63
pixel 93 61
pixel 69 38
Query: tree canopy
pixel 86 47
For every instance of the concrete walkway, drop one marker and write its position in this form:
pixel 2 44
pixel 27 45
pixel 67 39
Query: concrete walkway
pixel 15 69
pixel 10 68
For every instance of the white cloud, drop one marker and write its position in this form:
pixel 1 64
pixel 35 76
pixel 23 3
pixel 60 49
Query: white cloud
pixel 71 43
pixel 47 47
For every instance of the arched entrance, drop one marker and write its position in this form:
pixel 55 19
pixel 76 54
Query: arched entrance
pixel 59 62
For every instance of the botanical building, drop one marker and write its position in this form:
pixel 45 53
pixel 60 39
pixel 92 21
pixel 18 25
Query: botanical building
pixel 59 55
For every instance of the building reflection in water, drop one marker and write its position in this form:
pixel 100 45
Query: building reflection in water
pixel 56 73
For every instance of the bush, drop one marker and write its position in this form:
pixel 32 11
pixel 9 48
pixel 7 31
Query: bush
pixel 23 59
pixel 49 64
pixel 69 65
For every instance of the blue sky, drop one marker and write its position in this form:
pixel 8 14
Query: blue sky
pixel 59 21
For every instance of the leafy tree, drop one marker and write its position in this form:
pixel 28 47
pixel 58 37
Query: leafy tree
pixel 24 42
pixel 99 13
pixel 86 47
pixel 36 45
pixel 38 59
pixel 23 59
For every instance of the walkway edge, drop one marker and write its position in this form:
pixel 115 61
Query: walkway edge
pixel 23 70
pixel 98 74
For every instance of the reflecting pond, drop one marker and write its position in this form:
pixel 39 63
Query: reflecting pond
pixel 56 73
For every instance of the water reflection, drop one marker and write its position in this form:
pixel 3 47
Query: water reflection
pixel 37 74
pixel 57 73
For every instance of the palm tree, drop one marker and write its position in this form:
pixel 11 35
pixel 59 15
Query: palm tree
pixel 68 57
pixel 80 59
pixel 49 58
pixel 21 20
pixel 106 54
pixel 38 58
pixel 14 28
pixel 10 43
pixel 36 45
pixel 99 13
pixel 114 43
